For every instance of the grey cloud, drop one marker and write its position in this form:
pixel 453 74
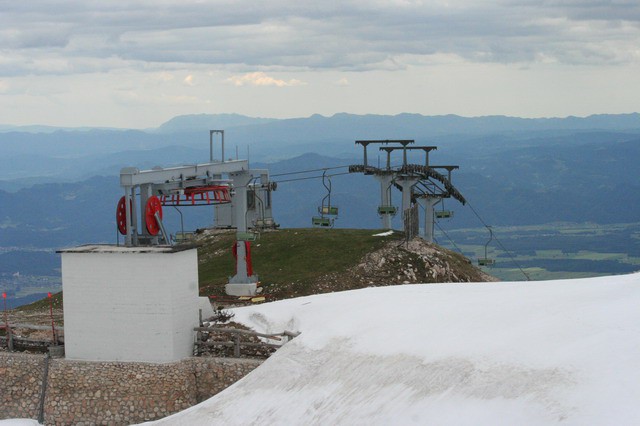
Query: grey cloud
pixel 351 35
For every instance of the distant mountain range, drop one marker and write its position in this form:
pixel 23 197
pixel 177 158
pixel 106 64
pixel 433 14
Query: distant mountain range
pixel 415 123
pixel 204 122
pixel 34 154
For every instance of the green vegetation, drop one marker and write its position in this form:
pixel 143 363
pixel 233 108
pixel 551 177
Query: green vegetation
pixel 287 256
pixel 43 304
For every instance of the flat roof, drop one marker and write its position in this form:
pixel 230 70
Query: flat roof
pixel 111 248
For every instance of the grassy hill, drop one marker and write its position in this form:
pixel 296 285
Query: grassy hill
pixel 296 262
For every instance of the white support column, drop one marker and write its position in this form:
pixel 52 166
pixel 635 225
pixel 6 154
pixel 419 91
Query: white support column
pixel 385 198
pixel 407 183
pixel 428 203
pixel 241 284
pixel 128 239
pixel 134 215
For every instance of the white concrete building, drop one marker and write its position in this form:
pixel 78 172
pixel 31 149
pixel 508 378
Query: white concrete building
pixel 129 303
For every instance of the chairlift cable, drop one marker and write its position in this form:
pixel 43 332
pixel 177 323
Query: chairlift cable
pixel 450 239
pixel 309 171
pixel 499 242
pixel 310 177
pixel 313 170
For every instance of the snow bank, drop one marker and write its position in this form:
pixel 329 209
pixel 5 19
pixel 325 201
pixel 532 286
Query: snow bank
pixel 466 354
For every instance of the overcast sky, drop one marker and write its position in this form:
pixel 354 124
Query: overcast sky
pixel 138 63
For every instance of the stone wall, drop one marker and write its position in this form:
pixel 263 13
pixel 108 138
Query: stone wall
pixel 216 374
pixel 114 393
pixel 20 385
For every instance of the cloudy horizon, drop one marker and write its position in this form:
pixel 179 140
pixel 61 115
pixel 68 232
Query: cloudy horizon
pixel 136 64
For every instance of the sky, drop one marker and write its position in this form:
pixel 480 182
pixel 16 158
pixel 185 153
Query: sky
pixel 138 63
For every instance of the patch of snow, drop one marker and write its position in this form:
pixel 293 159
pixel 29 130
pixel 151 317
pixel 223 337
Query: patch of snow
pixel 383 234
pixel 19 422
pixel 547 352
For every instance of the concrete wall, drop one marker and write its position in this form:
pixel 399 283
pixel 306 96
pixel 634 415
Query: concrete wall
pixel 114 393
pixel 129 304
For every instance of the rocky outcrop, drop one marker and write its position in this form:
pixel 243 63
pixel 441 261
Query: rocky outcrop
pixel 413 262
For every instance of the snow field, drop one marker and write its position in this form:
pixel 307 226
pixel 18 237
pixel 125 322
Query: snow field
pixel 466 354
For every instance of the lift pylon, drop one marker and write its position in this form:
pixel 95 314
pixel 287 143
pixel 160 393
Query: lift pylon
pixel 419 183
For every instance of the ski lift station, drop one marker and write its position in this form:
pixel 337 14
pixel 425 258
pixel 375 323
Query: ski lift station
pixel 139 301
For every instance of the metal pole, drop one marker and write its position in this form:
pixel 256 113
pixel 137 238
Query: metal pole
pixel 128 239
pixel 6 321
pixel 6 318
pixel 134 219
pixel 364 146
pixel 53 327
pixel 211 132
pixel 181 221
pixel 211 146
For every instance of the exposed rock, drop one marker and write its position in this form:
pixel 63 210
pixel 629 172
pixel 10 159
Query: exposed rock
pixel 413 262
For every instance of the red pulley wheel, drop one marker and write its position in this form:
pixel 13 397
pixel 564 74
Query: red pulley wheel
pixel 121 216
pixel 153 206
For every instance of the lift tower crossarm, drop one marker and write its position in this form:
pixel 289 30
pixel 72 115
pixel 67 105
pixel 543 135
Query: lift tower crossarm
pixel 427 150
pixel 447 168
pixel 389 149
pixel 365 143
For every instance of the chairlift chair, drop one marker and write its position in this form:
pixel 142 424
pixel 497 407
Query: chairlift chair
pixel 392 210
pixel 322 222
pixel 486 261
pixel 326 210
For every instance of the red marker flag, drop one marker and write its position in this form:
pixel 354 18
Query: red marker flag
pixel 4 295
pixel 49 295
